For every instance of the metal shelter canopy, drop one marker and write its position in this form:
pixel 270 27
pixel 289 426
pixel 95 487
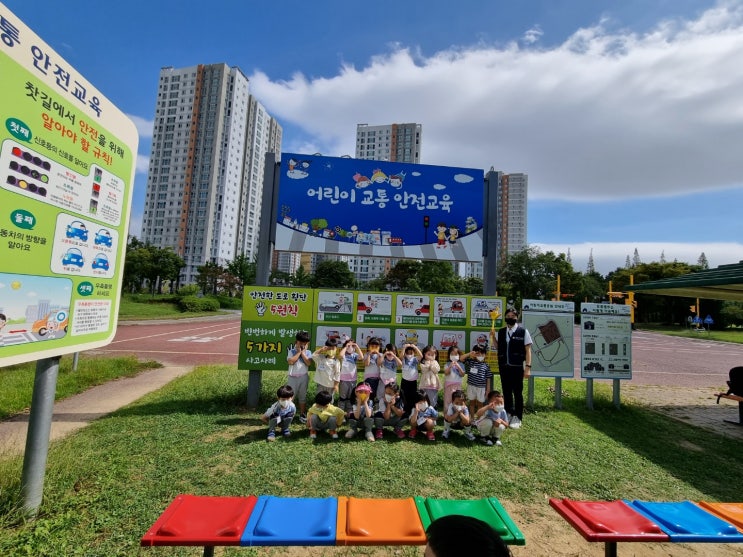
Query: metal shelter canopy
pixel 721 283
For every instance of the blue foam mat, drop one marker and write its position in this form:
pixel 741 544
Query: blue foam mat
pixel 291 521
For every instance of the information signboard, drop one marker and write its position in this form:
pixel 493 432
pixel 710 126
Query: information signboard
pixel 67 161
pixel 606 341
pixel 551 327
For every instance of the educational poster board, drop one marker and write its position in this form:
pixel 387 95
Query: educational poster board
pixel 271 319
pixel 551 327
pixel 606 341
pixel 269 325
pixel 374 208
pixel 67 162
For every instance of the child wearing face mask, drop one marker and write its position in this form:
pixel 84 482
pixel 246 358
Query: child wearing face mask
pixel 429 381
pixel 457 415
pixel 388 370
pixel 350 356
pixel 373 363
pixel 327 368
pixel 492 419
pixel 362 412
pixel 423 416
pixel 280 413
pixel 479 378
pixel 453 374
pixel 411 358
pixel 391 412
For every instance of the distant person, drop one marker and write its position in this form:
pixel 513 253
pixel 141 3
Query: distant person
pixel 388 371
pixel 492 419
pixel 514 362
pixel 458 415
pixel 373 363
pixel 479 378
pixel 327 367
pixel 350 355
pixel 423 416
pixel 362 412
pixel 323 416
pixel 411 359
pixel 391 412
pixel 280 413
pixel 453 374
pixel 456 535
pixel 429 380
pixel 299 359
pixel 3 321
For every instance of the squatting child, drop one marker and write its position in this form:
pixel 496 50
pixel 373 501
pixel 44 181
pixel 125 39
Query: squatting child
pixel 423 416
pixel 457 415
pixel 492 419
pixel 280 413
pixel 391 412
pixel 324 416
pixel 361 413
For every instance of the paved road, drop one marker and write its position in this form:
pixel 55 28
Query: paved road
pixel 657 359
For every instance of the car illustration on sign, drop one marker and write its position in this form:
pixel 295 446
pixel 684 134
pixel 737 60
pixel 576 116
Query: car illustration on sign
pixel 330 307
pixel 40 326
pixel 423 310
pixel 73 257
pixel 100 262
pixel 77 229
pixel 103 238
pixel 457 306
pixel 361 306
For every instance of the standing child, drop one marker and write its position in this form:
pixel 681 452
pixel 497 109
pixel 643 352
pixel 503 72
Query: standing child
pixel 388 370
pixel 373 363
pixel 299 359
pixel 479 378
pixel 324 416
pixel 423 416
pixel 350 355
pixel 453 374
pixel 492 419
pixel 457 415
pixel 430 369
pixel 327 367
pixel 362 411
pixel 391 412
pixel 280 413
pixel 411 358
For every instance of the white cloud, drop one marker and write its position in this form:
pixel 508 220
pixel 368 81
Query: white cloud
pixel 605 114
pixel 607 256
pixel 143 163
pixel 533 35
pixel 143 125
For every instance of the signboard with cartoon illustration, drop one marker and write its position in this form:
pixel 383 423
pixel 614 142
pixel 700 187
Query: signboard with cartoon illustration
pixel 271 319
pixel 606 341
pixel 551 327
pixel 379 208
pixel 373 307
pixel 412 309
pixel 450 310
pixel 334 306
pixel 67 157
pixel 486 312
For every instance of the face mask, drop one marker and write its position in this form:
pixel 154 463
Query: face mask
pixel 283 403
pixel 389 398
pixel 458 408
pixel 362 396
pixel 349 350
pixel 510 321
pixel 499 408
pixel 454 358
pixel 481 358
pixel 430 356
pixel 331 354
pixel 422 406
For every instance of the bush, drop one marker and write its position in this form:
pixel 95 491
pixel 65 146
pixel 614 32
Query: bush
pixel 188 290
pixel 194 304
pixel 227 302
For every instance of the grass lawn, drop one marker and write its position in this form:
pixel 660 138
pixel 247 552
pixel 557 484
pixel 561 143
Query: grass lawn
pixel 108 483
pixel 725 335
pixel 156 308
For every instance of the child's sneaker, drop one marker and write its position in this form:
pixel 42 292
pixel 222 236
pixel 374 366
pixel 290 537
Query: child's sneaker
pixel 445 434
pixel 379 434
pixel 333 433
pixel 430 435
pixel 350 434
pixel 303 418
pixel 515 423
pixel 286 433
pixel 413 433
pixel 468 435
pixel 400 433
pixel 271 436
pixel 498 443
pixel 369 436
pixel 487 441
pixel 313 434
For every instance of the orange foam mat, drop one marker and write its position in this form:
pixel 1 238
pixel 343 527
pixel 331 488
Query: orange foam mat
pixel 378 522
pixel 730 512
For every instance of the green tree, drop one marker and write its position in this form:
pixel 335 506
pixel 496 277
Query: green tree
pixel 168 265
pixel 242 268
pixel 400 276
pixel 301 277
pixel 437 277
pixel 208 277
pixel 334 274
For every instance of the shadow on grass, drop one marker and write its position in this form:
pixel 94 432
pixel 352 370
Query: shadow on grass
pixel 709 462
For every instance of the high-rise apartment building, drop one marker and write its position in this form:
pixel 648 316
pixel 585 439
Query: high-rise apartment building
pixel 205 180
pixel 393 142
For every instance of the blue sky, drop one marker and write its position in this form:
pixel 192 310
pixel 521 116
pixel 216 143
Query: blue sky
pixel 626 115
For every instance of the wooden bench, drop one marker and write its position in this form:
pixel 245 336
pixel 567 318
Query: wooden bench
pixel 737 398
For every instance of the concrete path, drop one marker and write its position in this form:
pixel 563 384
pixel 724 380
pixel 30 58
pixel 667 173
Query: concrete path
pixel 77 411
